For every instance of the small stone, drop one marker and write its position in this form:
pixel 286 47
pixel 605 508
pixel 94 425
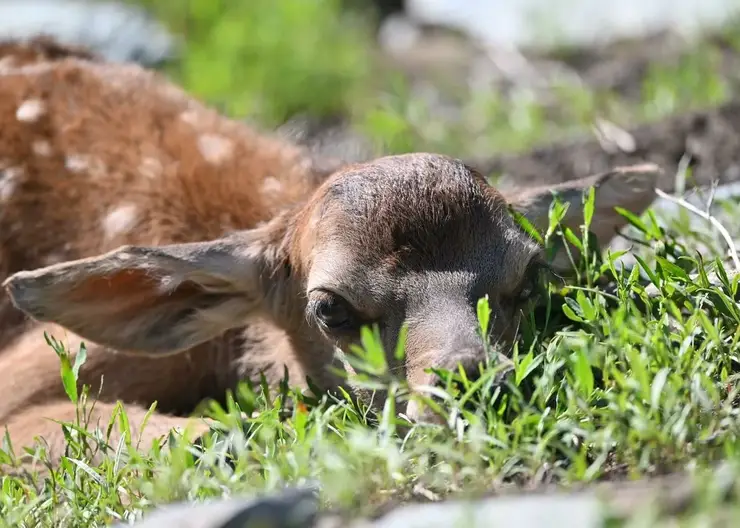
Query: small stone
pixel 297 508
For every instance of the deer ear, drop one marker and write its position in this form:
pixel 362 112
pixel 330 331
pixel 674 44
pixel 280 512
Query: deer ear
pixel 152 300
pixel 631 188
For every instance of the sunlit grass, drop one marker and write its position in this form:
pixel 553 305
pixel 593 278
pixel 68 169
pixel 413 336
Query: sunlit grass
pixel 608 382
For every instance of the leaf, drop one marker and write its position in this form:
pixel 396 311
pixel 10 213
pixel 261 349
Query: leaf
pixel 89 471
pixel 555 214
pixel 79 360
pixel 572 238
pixel 632 219
pixel 722 274
pixel 484 315
pixel 372 346
pixel 728 306
pixel 584 374
pixel 634 276
pixel 69 380
pixel 653 278
pixel 400 351
pixel 387 424
pixel 657 387
pixel 656 231
pixel 570 314
pixel 705 282
pixel 609 263
pixel 573 304
pixel 587 307
pixel 523 367
pixel 526 225
pixel 588 207
pixel 639 370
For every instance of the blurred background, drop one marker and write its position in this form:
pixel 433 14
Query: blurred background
pixel 464 77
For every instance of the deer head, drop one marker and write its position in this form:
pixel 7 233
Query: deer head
pixel 409 240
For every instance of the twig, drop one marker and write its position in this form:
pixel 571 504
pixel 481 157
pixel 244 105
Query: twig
pixel 708 217
pixel 712 193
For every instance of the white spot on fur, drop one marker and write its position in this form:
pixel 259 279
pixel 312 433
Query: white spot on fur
pixel 77 163
pixel 7 64
pixel 171 91
pixel 41 147
pixel 28 69
pixel 151 168
pixel 119 221
pixel 214 148
pixel 9 182
pixel 271 185
pixel 30 110
pixel 190 117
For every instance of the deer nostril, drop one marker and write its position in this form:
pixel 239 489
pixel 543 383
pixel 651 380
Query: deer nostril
pixel 472 363
pixel 473 371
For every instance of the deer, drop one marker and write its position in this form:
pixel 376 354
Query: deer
pixel 190 251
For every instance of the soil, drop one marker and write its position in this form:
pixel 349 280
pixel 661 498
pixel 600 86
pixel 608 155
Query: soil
pixel 707 139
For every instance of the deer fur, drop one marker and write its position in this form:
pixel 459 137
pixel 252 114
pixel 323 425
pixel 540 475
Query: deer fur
pixel 189 251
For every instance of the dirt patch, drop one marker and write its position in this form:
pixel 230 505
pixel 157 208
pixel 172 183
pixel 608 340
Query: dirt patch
pixel 622 67
pixel 708 141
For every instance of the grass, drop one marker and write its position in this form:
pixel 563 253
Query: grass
pixel 608 382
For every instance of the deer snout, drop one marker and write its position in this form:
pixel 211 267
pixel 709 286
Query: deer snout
pixel 470 362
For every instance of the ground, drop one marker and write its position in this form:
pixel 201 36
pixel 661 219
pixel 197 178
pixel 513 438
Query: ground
pixel 609 384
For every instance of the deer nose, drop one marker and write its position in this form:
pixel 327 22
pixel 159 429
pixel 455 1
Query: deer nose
pixel 471 360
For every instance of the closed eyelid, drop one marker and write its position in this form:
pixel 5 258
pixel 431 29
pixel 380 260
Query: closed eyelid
pixel 349 296
pixel 338 291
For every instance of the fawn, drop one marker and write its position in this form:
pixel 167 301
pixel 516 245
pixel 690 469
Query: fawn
pixel 191 252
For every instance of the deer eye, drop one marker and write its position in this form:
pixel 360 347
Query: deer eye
pixel 332 312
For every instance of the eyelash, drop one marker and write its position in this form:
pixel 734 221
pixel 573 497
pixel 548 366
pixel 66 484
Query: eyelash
pixel 329 301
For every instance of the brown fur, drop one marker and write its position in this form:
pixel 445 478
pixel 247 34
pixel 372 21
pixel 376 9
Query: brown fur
pixel 15 54
pixel 190 251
